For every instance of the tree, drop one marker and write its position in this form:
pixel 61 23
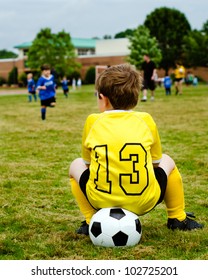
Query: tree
pixel 169 26
pixel 124 34
pixel 7 54
pixel 195 48
pixel 90 75
pixel 54 49
pixel 142 43
pixel 205 28
pixel 105 37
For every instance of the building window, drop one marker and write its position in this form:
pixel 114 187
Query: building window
pixel 85 51
pixel 25 52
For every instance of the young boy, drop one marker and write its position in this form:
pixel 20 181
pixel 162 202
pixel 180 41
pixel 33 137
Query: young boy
pixel 46 87
pixel 167 85
pixel 65 86
pixel 31 87
pixel 122 164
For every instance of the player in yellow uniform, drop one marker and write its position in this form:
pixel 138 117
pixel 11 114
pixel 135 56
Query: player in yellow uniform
pixel 179 74
pixel 122 164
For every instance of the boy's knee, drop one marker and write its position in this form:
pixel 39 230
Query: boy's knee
pixel 167 164
pixel 75 165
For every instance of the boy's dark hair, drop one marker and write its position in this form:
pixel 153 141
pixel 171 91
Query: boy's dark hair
pixel 121 84
pixel 45 67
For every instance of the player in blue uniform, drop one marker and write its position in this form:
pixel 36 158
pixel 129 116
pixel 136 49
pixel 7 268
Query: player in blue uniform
pixel 65 86
pixel 46 87
pixel 167 85
pixel 31 87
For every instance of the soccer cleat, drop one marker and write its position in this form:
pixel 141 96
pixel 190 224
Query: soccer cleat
pixel 83 229
pixel 187 224
pixel 144 99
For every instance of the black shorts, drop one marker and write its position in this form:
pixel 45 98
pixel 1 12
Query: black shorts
pixel 47 102
pixel 178 79
pixel 162 179
pixel 160 175
pixel 148 84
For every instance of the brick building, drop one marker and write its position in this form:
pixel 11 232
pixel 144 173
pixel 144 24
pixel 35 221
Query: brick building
pixel 90 52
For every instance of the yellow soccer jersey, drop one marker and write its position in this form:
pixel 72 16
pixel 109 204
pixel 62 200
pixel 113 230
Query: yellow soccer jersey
pixel 120 147
pixel 180 72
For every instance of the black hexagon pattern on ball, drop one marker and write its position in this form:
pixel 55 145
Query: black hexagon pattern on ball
pixel 120 239
pixel 96 229
pixel 117 213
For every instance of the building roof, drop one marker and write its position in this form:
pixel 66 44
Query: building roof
pixel 25 45
pixel 83 43
pixel 76 42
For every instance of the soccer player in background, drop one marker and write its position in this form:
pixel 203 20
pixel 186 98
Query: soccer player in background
pixel 65 86
pixel 179 73
pixel 31 87
pixel 122 164
pixel 167 84
pixel 149 74
pixel 46 87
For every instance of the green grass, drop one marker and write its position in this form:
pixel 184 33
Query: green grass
pixel 38 214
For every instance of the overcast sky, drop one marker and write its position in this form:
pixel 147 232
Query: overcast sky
pixel 21 20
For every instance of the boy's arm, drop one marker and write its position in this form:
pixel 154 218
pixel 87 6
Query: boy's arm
pixel 156 149
pixel 40 85
pixel 86 151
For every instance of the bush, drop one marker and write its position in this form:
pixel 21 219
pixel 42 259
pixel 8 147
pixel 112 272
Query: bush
pixel 90 75
pixel 22 80
pixel 2 81
pixel 13 76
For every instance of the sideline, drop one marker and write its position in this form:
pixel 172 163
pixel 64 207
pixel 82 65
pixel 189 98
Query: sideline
pixel 13 91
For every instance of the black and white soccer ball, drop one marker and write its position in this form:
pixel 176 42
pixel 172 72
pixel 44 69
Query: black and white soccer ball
pixel 112 227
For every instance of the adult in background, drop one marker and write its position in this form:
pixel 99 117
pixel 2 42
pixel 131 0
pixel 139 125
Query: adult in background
pixel 179 73
pixel 149 74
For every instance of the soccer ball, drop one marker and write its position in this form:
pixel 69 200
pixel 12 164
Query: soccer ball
pixel 112 227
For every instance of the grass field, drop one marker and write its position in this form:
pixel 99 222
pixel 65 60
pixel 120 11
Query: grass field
pixel 38 214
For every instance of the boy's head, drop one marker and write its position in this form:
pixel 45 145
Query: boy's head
pixel 46 69
pixel 121 85
pixel 29 76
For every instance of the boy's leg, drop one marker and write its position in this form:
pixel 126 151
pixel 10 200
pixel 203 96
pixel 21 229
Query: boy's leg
pixel 29 97
pixel 77 167
pixel 174 197
pixel 43 112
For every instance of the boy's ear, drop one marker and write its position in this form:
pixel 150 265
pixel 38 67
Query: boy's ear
pixel 106 101
pixel 101 96
pixel 104 98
